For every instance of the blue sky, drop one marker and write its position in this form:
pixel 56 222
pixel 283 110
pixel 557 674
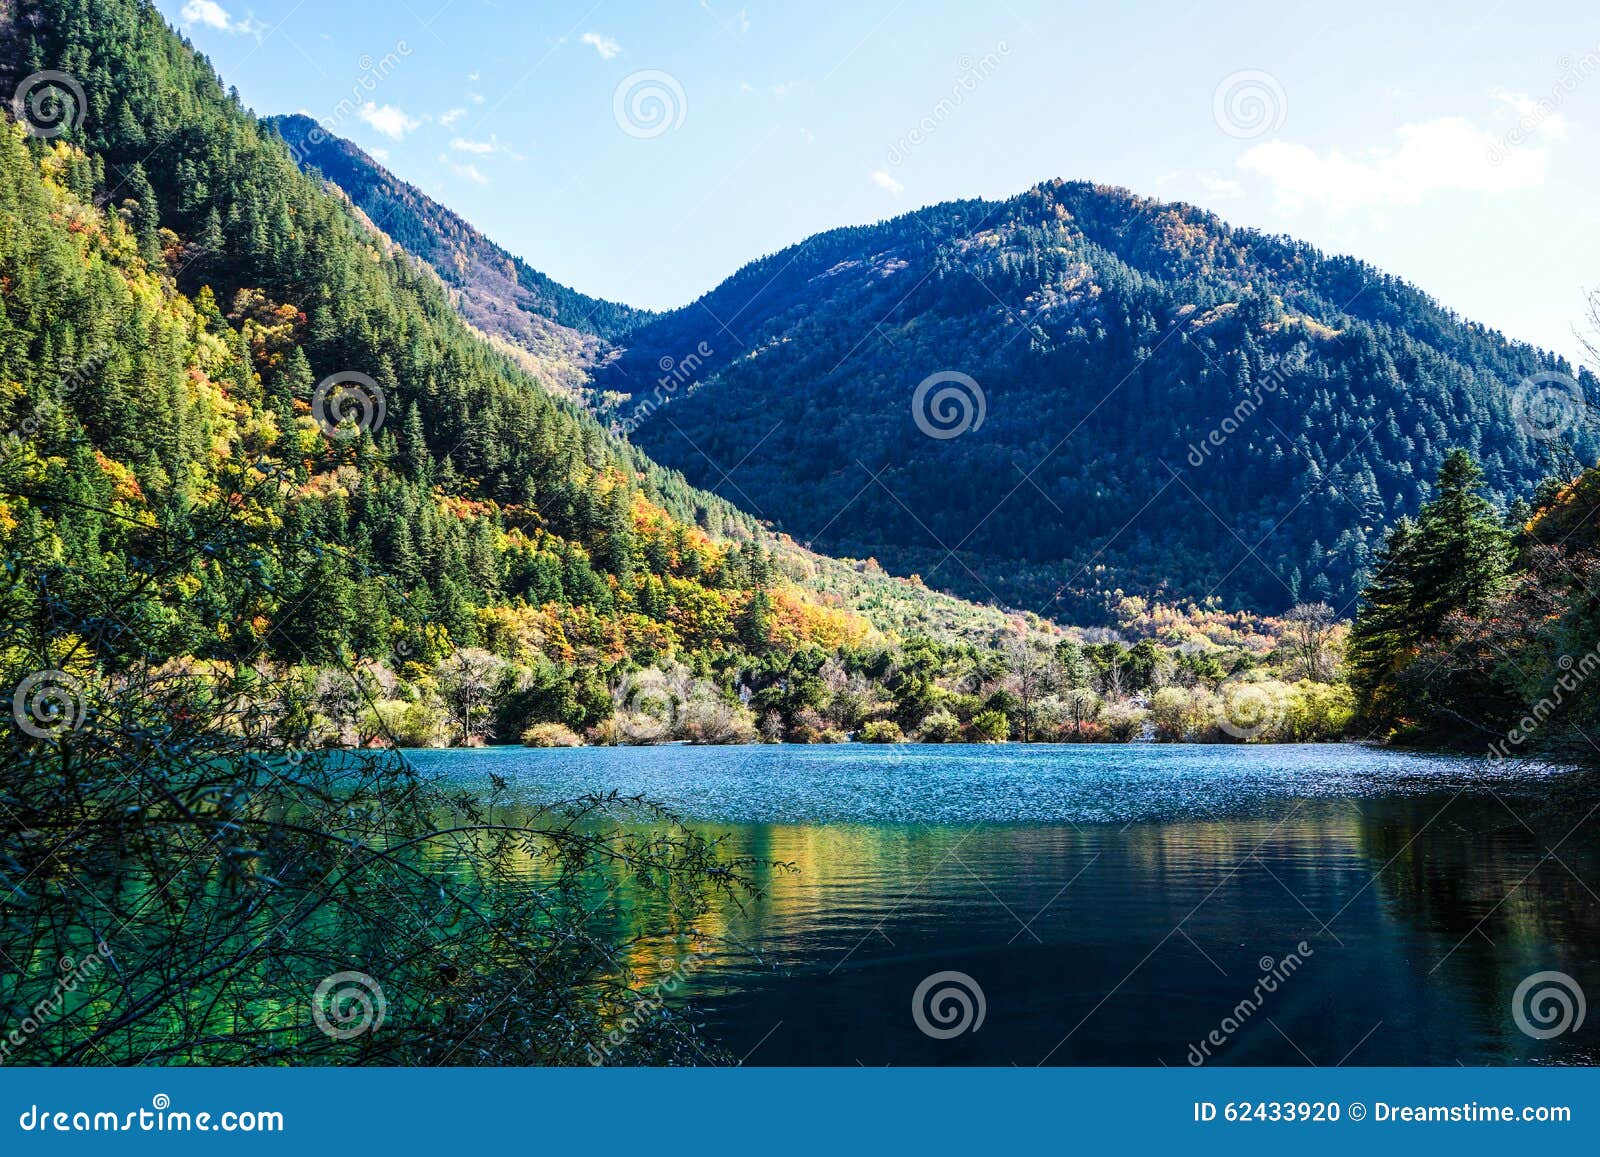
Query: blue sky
pixel 643 152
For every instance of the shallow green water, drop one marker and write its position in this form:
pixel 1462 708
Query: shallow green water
pixel 1122 904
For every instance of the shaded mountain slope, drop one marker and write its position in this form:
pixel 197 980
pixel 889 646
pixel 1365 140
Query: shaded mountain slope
pixel 1159 403
pixel 566 331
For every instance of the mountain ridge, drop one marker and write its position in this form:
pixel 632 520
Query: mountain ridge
pixel 564 330
pixel 1084 313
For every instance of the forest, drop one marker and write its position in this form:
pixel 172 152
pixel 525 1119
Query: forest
pixel 272 509
pixel 1172 406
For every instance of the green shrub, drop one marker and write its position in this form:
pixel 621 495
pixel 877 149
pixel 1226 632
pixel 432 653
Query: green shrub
pixel 1124 721
pixel 882 731
pixel 941 727
pixel 550 735
pixel 991 727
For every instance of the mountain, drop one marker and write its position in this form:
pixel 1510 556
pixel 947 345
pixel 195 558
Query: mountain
pixel 243 427
pixel 565 332
pixel 1078 393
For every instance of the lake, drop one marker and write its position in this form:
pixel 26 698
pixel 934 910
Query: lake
pixel 1123 904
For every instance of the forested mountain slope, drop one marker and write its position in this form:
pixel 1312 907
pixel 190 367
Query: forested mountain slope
pixel 1158 402
pixel 567 332
pixel 242 427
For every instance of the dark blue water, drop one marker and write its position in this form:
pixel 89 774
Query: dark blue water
pixel 1126 904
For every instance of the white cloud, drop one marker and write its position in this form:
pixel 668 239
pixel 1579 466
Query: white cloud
pixel 604 45
pixel 213 15
pixel 471 172
pixel 391 121
pixel 1220 188
pixel 493 147
pixel 884 181
pixel 1531 116
pixel 1449 154
pixel 475 97
pixel 451 117
pixel 207 12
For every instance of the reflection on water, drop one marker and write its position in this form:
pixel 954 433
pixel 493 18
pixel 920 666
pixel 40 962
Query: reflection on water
pixel 1119 905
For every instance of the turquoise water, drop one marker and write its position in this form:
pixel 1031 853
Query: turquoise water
pixel 1123 904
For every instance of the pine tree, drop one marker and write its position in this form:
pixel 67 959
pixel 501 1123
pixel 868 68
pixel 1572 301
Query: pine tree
pixel 1452 559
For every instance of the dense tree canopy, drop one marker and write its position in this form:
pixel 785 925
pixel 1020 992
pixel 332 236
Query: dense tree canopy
pixel 1169 404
